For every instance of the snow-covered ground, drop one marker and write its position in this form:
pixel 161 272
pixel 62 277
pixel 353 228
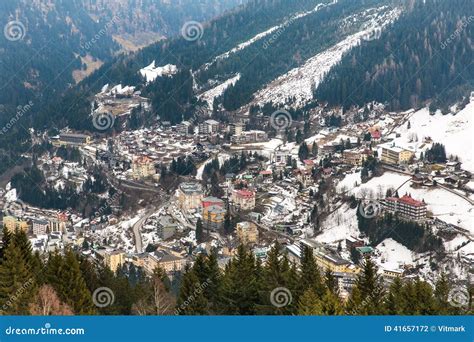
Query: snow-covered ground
pixel 209 95
pixel 454 131
pixel 151 72
pixel 443 204
pixel 392 255
pixel 339 225
pixel 299 82
pixel 222 158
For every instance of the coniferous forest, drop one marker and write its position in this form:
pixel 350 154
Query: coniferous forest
pixel 426 54
pixel 66 284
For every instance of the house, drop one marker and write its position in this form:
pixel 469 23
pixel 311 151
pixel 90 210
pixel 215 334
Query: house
pixel 114 260
pixel 247 232
pixel 236 128
pixel 376 136
pixel 244 199
pixel 58 222
pixel 453 166
pixel 214 217
pixel 143 167
pixel 406 207
pixel 183 128
pixel 71 139
pixel 190 196
pixel 166 227
pixel 212 201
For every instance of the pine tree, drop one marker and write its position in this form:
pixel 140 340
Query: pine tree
pixel 309 304
pixel 64 274
pixel 241 284
pixel 213 290
pixel 277 273
pixel 441 294
pixel 368 295
pixel 331 282
pixel 191 299
pixel 331 304
pixel 199 231
pixel 395 302
pixel 310 274
pixel 17 283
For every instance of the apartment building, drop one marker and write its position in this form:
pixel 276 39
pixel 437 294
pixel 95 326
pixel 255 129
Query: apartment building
pixel 406 207
pixel 190 196
pixel 244 199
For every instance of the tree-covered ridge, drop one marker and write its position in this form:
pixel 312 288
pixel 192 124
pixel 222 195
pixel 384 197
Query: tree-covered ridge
pixel 296 42
pixel 54 39
pixel 160 16
pixel 426 53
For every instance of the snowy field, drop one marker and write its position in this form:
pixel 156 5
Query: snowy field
pixel 443 204
pixel 454 131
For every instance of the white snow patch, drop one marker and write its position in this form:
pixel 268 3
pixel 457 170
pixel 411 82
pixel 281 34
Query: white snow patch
pixel 151 72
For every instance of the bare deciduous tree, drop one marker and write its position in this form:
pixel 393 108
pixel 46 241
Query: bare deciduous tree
pixel 47 303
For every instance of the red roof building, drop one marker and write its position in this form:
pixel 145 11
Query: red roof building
pixel 406 207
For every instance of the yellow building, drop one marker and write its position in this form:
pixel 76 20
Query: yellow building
pixel 405 156
pixel 71 139
pixel 114 260
pixel 247 232
pixel 213 217
pixel 335 264
pixel 143 167
pixel 11 224
pixel 395 155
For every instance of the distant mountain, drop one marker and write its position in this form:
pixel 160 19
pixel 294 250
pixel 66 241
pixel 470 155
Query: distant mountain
pixel 141 22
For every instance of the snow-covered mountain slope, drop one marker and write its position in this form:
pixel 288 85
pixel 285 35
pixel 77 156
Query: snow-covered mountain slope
pixel 272 30
pixel 218 90
pixel 454 131
pixel 300 82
